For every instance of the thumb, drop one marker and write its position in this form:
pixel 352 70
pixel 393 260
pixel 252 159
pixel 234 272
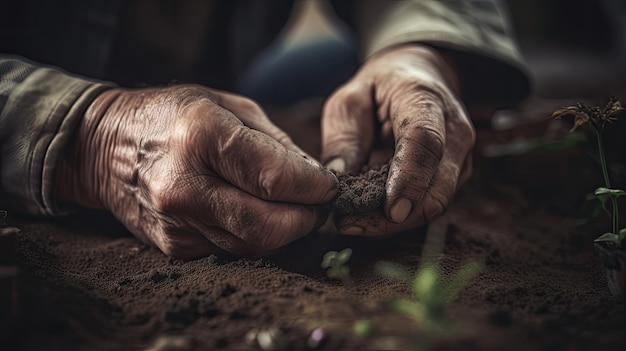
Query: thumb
pixel 348 128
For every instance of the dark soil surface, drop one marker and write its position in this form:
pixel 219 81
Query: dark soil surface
pixel 86 284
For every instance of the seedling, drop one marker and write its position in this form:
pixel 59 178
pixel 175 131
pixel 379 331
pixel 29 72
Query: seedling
pixel 363 328
pixel 335 264
pixel 595 119
pixel 431 294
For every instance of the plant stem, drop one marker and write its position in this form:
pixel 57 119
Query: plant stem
pixel 607 182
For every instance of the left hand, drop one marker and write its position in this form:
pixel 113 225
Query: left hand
pixel 403 106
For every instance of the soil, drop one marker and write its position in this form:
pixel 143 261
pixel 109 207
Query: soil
pixel 86 284
pixel 362 193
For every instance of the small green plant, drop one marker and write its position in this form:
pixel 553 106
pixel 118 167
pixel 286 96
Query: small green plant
pixel 431 293
pixel 335 264
pixel 595 119
pixel 363 328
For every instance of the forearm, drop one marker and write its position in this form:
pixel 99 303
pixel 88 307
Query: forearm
pixel 39 109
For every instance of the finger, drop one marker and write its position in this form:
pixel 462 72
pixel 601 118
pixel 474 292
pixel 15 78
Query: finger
pixel 433 204
pixel 177 225
pixel 253 116
pixel 348 128
pixel 211 240
pixel 255 162
pixel 418 123
pixel 259 226
pixel 185 245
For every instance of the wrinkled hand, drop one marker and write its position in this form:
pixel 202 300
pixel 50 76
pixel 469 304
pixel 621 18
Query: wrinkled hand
pixel 190 169
pixel 401 106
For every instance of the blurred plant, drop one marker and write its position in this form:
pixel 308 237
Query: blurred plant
pixel 335 264
pixel 363 328
pixel 431 293
pixel 595 119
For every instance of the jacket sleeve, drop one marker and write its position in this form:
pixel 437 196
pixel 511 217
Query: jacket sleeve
pixel 476 35
pixel 39 108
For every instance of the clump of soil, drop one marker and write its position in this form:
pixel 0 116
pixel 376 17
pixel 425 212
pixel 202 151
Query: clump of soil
pixel 361 193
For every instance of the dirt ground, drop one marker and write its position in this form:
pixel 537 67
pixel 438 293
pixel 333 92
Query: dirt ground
pixel 86 284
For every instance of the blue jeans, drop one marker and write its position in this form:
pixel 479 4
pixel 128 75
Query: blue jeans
pixel 282 75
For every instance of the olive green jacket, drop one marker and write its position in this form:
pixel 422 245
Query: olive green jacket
pixel 40 106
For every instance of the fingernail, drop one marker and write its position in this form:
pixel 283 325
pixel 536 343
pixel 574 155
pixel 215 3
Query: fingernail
pixel 337 164
pixel 352 230
pixel 401 210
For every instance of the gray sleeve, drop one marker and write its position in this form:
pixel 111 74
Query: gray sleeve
pixel 39 108
pixel 476 34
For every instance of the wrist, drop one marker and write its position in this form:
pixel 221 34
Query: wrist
pixel 82 170
pixel 437 63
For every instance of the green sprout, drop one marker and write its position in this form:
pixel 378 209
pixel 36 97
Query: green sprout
pixel 431 294
pixel 363 328
pixel 595 119
pixel 335 263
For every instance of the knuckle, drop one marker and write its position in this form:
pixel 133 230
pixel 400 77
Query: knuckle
pixel 351 98
pixel 347 98
pixel 161 195
pixel 250 107
pixel 433 207
pixel 270 179
pixel 431 140
pixel 435 203
pixel 425 92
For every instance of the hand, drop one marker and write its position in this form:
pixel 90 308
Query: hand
pixel 190 169
pixel 401 106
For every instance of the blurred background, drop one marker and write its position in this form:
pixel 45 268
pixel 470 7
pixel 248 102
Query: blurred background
pixel 572 47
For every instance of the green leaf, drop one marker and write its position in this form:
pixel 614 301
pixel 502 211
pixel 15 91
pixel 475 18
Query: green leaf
pixel 608 237
pixel 329 259
pixel 621 235
pixel 392 271
pixel 409 307
pixel 338 272
pixel 604 194
pixel 425 283
pixel 344 256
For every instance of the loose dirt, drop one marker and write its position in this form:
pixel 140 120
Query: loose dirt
pixel 362 193
pixel 86 284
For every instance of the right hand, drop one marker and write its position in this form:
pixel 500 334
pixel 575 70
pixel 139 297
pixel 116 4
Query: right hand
pixel 191 169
